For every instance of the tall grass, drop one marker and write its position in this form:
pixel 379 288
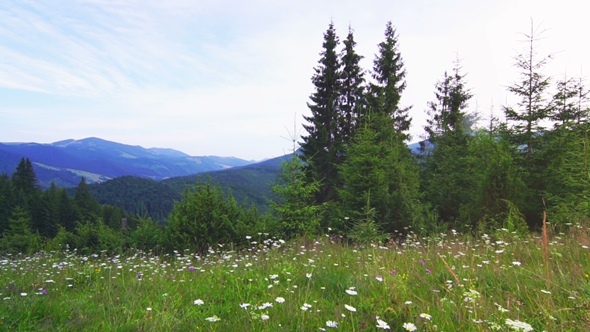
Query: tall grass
pixel 448 282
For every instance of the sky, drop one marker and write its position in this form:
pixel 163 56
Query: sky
pixel 233 78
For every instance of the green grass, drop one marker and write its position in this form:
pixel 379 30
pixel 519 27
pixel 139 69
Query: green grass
pixel 442 283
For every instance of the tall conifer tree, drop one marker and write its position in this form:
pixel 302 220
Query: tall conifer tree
pixel 526 120
pixel 389 75
pixel 320 147
pixel 352 94
pixel 444 176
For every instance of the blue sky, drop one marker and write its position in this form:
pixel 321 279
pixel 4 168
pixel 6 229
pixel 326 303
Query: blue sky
pixel 230 78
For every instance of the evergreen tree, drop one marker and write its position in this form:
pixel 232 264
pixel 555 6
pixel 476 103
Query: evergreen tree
pixel 569 106
pixel 320 148
pixel 67 211
pixel 389 74
pixel 295 208
pixel 352 93
pixel 444 170
pixel 202 218
pixel 6 202
pixel 24 178
pixel 526 120
pixel 527 124
pixel 85 202
pixel 379 177
pixel 498 187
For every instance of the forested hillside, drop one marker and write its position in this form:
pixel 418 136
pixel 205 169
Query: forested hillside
pixel 250 185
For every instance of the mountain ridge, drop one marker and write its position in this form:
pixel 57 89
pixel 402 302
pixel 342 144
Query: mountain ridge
pixel 65 162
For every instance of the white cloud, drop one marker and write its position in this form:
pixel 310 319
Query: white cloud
pixel 227 77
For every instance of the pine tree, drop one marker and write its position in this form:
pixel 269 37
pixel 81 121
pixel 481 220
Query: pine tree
pixel 389 74
pixel 320 147
pixel 379 176
pixel 569 104
pixel 6 202
pixel 526 121
pixel 85 202
pixel 352 93
pixel 527 125
pixel 24 178
pixel 295 208
pixel 444 169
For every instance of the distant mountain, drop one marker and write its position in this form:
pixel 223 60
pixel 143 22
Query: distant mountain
pixel 98 160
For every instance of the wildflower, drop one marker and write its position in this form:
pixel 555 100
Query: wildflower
pixel 191 268
pixel 500 308
pixel 422 262
pixel 471 295
pixel 379 278
pixel 265 305
pixel 331 323
pixel 23 294
pixel 428 271
pixel 393 272
pixel 350 308
pixel 382 325
pixel 148 309
pixel 408 302
pixel 305 306
pixel 308 275
pixel 410 327
pixel 264 317
pixel 213 319
pixel 199 302
pixel 273 276
pixel 351 291
pixel 139 275
pixel 516 263
pixel 244 305
pixel 517 325
pixel 425 316
pixel 280 300
pixel 545 291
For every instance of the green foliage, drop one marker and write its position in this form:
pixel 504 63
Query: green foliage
pixel 148 235
pixel 85 202
pixel 19 238
pixel 497 180
pixel 202 218
pixel 322 146
pixel 295 207
pixel 445 178
pixel 24 178
pixel 138 196
pixel 380 165
pixel 366 231
pixel 389 74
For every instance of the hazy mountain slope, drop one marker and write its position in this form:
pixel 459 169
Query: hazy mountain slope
pixel 65 162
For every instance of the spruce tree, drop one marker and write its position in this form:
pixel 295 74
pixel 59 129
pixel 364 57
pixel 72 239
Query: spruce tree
pixel 85 202
pixel 24 178
pixel 320 148
pixel 380 177
pixel 389 75
pixel 6 202
pixel 526 121
pixel 352 93
pixel 444 170
pixel 569 103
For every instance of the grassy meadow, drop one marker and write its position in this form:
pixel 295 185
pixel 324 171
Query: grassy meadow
pixel 449 282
